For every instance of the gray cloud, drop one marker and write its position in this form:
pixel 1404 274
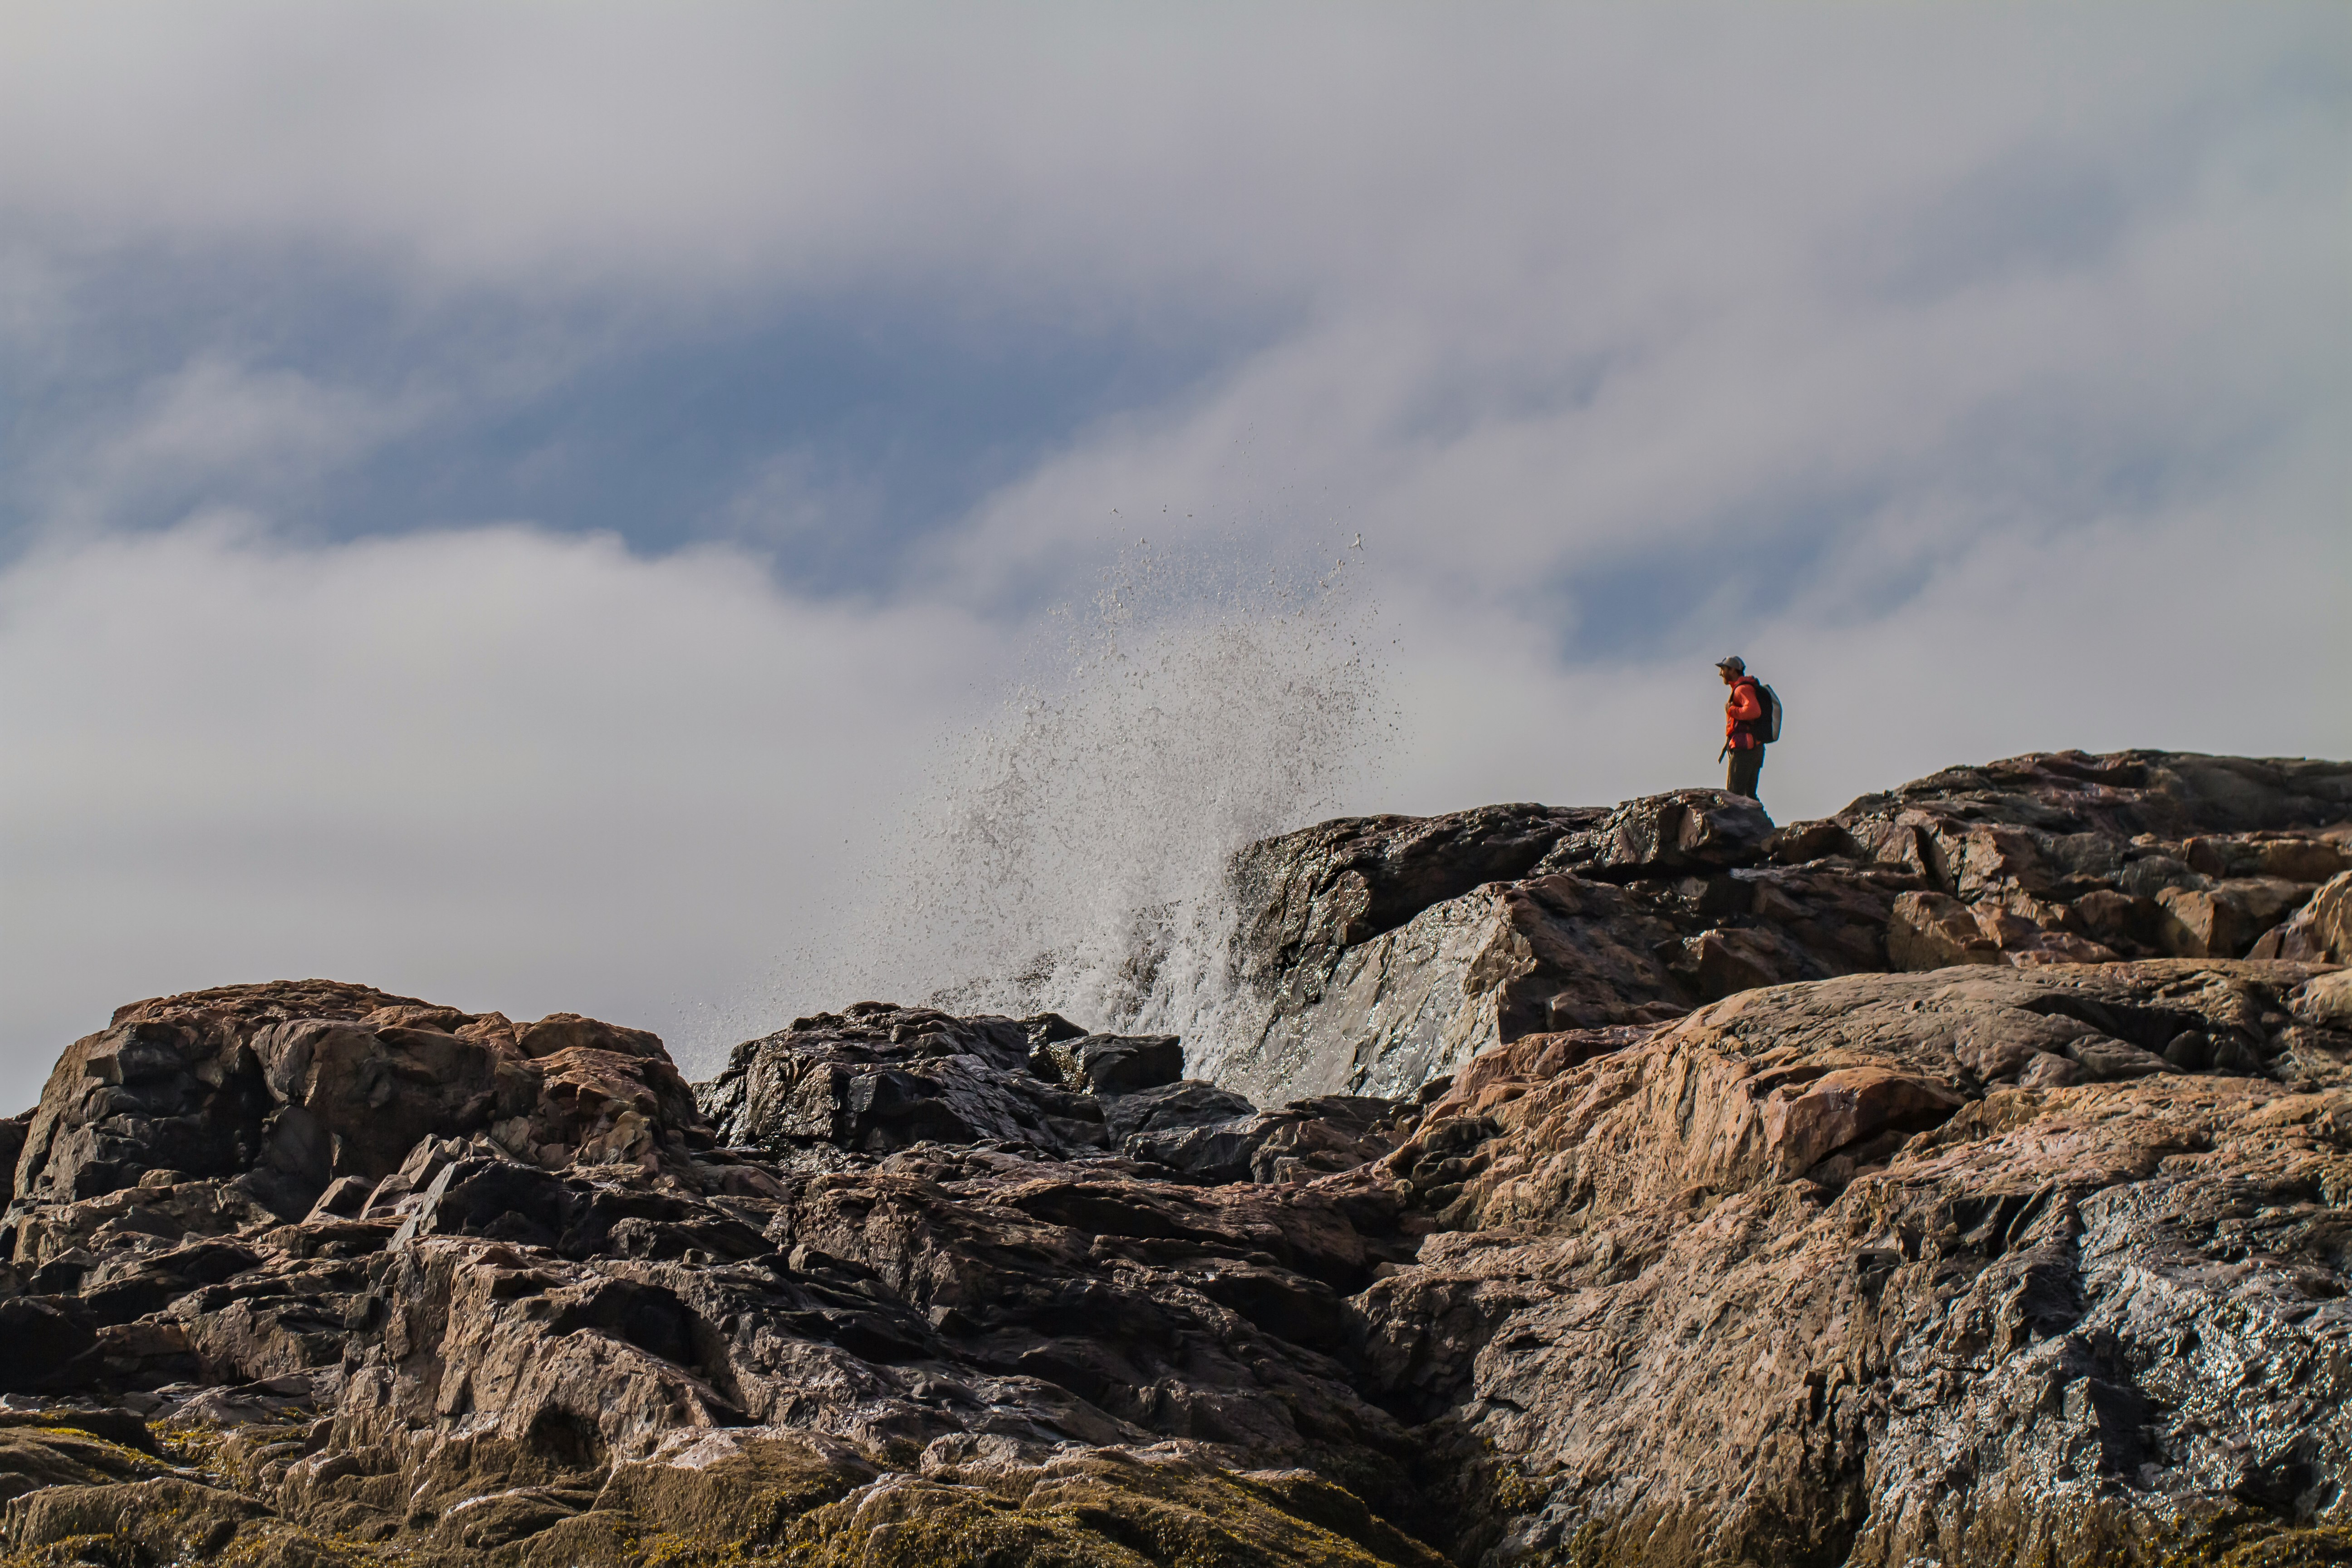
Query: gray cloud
pixel 1980 373
pixel 498 767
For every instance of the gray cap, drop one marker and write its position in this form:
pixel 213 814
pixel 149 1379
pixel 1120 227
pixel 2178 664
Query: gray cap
pixel 1737 665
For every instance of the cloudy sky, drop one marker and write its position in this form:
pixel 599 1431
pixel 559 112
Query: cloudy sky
pixel 522 504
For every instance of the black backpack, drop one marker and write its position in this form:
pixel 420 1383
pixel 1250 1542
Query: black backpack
pixel 1767 728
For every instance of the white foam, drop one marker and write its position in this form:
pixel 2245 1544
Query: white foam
pixel 1069 854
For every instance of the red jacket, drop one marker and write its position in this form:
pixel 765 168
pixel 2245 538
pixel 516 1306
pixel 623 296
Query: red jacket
pixel 1745 706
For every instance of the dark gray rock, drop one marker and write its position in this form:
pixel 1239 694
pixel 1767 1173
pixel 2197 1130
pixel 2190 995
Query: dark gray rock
pixel 1187 1103
pixel 1111 1064
pixel 877 1077
pixel 1208 1151
pixel 1341 883
pixel 1215 1137
pixel 1689 831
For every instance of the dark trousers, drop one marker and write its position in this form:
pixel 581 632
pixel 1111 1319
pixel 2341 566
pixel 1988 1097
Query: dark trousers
pixel 1746 764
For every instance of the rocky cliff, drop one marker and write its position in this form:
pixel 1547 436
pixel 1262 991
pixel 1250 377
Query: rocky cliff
pixel 1961 1180
pixel 1372 955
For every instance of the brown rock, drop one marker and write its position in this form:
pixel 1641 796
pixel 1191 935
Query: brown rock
pixel 560 1032
pixel 1111 1064
pixel 2327 999
pixel 353 1097
pixel 2049 1072
pixel 2289 858
pixel 1934 931
pixel 148 1212
pixel 1374 954
pixel 283 1089
pixel 1704 1362
pixel 1724 961
pixel 2006 928
pixel 1847 1106
pixel 1687 830
pixel 1711 1278
pixel 2223 921
pixel 1991 859
pixel 2120 919
pixel 2062 947
pixel 2322 929
pixel 1996 1040
pixel 2105 1060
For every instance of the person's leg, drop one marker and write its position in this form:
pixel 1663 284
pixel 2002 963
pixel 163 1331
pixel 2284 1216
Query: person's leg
pixel 1746 764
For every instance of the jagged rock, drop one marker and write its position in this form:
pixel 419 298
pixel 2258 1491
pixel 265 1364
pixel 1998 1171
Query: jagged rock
pixel 2103 1060
pixel 2288 857
pixel 1936 930
pixel 1505 959
pixel 54 1237
pixel 1330 1133
pixel 2168 796
pixel 2018 1259
pixel 1770 1211
pixel 1376 954
pixel 879 1078
pixel 477 1352
pixel 2224 921
pixel 165 1519
pixel 1188 1102
pixel 1306 1138
pixel 283 1089
pixel 2327 1000
pixel 1982 1323
pixel 1111 1064
pixel 2322 929
pixel 1342 883
pixel 1697 830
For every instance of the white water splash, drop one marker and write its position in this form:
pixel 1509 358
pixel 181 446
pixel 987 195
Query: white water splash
pixel 1070 856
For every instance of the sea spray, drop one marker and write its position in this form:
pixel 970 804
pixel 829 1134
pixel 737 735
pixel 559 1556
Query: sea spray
pixel 1071 853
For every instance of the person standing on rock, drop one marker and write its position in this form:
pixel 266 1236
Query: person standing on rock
pixel 1743 726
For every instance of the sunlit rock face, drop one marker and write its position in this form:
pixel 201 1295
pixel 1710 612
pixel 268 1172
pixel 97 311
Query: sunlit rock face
pixel 1374 954
pixel 1646 1186
pixel 1840 1271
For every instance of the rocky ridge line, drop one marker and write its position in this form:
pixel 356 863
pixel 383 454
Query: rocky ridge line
pixel 1373 954
pixel 1991 1262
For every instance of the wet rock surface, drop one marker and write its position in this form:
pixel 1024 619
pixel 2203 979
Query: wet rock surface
pixel 2005 1259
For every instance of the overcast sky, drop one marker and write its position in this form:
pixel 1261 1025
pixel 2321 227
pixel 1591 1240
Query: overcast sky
pixel 520 503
